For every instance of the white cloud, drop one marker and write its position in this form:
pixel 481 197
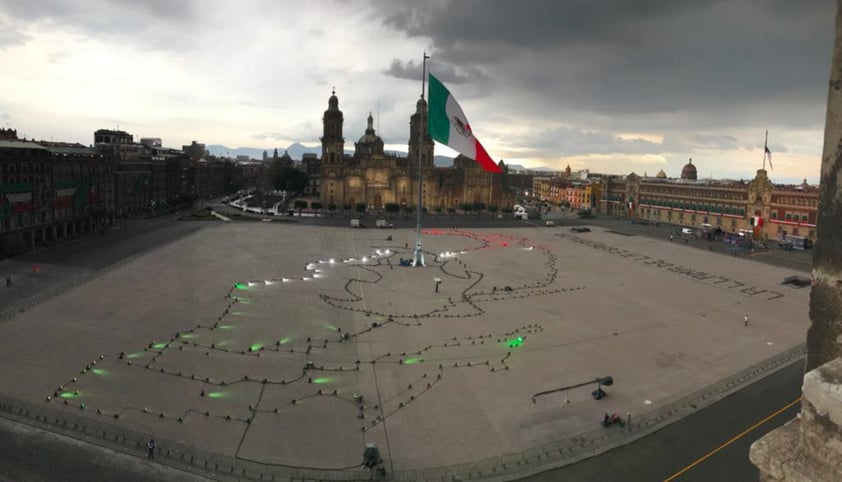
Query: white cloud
pixel 258 73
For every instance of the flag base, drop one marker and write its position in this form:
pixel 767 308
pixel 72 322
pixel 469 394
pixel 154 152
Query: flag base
pixel 418 257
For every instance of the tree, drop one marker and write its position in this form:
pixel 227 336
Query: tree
pixel 508 210
pixel 300 204
pixel 439 209
pixel 493 209
pixel 331 207
pixel 467 207
pixel 316 205
pixel 360 208
pixel 479 206
pixel 288 178
pixel 392 208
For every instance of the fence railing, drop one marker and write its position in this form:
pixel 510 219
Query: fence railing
pixel 499 467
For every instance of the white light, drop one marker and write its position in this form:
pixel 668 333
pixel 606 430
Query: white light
pixel 332 260
pixel 305 279
pixel 317 276
pixel 251 283
pixel 284 279
pixel 388 252
pixel 267 282
pixel 365 260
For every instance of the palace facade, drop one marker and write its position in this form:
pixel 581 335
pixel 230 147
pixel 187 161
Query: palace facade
pixel 374 178
pixel 766 210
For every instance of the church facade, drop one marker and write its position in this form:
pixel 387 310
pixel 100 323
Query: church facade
pixel 373 178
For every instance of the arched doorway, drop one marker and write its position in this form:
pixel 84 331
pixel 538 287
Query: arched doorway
pixel 378 202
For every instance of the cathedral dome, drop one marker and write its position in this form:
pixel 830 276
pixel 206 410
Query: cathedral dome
pixel 370 137
pixel 661 174
pixel 689 171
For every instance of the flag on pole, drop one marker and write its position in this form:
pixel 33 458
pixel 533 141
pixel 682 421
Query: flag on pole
pixel 447 124
pixel 768 155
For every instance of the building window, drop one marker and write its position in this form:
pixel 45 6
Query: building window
pixel 774 215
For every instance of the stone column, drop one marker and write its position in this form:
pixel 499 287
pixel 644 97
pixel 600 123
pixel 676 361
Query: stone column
pixel 824 338
pixel 809 448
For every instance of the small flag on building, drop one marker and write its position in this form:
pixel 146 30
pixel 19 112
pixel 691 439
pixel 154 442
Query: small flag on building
pixel 769 156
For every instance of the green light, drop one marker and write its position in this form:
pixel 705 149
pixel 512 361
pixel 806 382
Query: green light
pixel 188 336
pixel 237 313
pixel 285 340
pixel 241 286
pixel 256 346
pixel 225 327
pixel 244 301
pixel 69 395
pixel 158 346
pixel 100 371
pixel 217 394
pixel 135 355
pixel 411 361
pixel 322 380
pixel 329 326
pixel 516 342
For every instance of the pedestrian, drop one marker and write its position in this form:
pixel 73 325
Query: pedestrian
pixel 745 320
pixel 8 281
pixel 150 447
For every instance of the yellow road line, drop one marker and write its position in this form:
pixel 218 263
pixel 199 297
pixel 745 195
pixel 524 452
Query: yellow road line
pixel 733 439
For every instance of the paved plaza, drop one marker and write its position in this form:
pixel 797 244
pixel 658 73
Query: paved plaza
pixel 296 345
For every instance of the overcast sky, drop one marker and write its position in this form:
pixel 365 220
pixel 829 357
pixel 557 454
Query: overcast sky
pixel 614 85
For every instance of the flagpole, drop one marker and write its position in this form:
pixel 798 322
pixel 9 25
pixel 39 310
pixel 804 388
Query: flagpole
pixel 765 147
pixel 418 258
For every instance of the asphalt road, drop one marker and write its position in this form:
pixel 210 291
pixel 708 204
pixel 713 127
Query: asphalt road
pixel 668 451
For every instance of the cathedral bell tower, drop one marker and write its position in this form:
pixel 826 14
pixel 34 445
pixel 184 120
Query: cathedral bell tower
pixel 420 142
pixel 333 144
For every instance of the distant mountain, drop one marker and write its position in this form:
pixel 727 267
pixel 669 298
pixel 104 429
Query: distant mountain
pixel 222 151
pixel 296 151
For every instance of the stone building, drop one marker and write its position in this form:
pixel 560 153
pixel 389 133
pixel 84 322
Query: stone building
pixel 767 210
pixel 50 191
pixel 373 178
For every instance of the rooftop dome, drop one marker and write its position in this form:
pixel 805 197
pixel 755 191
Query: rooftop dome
pixel 370 137
pixel 689 171
pixel 661 174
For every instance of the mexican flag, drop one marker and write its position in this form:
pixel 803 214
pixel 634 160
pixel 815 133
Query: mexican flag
pixel 20 201
pixel 447 124
pixel 64 197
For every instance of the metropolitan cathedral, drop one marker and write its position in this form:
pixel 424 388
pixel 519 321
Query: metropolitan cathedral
pixel 374 178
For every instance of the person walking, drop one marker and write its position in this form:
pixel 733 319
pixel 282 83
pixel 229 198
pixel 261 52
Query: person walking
pixel 745 320
pixel 150 449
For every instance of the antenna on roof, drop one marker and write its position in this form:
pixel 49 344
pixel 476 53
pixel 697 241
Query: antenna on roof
pixel 378 118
